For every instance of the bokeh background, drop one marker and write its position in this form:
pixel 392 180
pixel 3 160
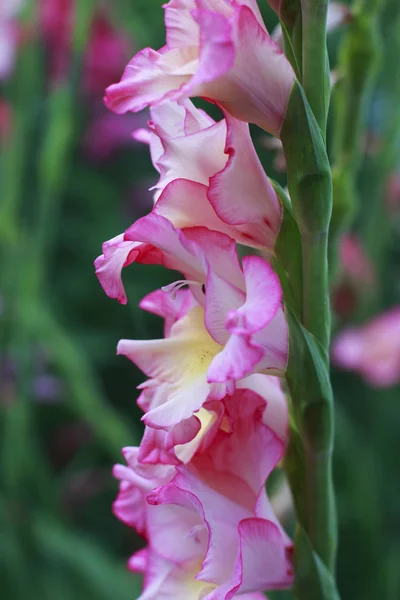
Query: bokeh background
pixel 71 177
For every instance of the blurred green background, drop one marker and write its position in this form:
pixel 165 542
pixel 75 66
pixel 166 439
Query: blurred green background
pixel 71 177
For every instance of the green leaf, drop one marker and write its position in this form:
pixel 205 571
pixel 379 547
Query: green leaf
pixel 308 378
pixel 313 580
pixel 288 253
pixel 86 395
pixel 309 174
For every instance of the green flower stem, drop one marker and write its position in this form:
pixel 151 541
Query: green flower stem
pixel 315 71
pixel 309 462
pixel 310 187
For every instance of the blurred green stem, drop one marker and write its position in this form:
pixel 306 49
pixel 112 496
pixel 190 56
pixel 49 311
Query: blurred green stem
pixel 359 58
pixel 315 71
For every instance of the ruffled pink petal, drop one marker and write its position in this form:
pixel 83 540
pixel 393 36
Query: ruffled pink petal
pixel 274 340
pixel 166 580
pixel 165 360
pixel 181 29
pixel 233 451
pixel 170 306
pixel 117 254
pixel 261 544
pixel 257 219
pixel 185 204
pixel 136 481
pixel 216 39
pixel 258 86
pixel 240 357
pixel 196 157
pixel 222 485
pixel 138 562
pixel 263 298
pixel 150 78
pixel 183 433
pixel 171 247
pixel 221 298
pixel 275 414
pixel 153 448
pixel 187 66
pixel 219 252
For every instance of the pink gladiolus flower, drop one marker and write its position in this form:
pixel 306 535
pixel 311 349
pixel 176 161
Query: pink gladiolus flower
pixel 242 328
pixel 57 21
pixel 357 275
pixel 372 350
pixel 209 350
pixel 106 55
pixel 160 445
pixel 220 167
pixel 354 261
pixel 251 79
pixel 210 528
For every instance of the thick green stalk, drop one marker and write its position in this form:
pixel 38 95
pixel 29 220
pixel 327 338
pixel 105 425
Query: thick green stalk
pixel 310 187
pixel 315 71
pixel 310 471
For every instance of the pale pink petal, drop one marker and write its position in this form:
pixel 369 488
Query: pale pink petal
pixel 117 253
pixel 221 486
pixel 138 562
pixel 261 544
pixel 258 217
pixel 274 339
pixel 174 521
pixel 196 157
pixel 153 448
pixel 172 306
pixel 221 298
pixel 171 247
pixel 216 39
pixel 142 135
pixel 258 86
pixel 276 414
pixel 183 433
pixel 180 360
pixel 167 119
pixel 150 78
pixel 180 26
pixel 166 580
pixel 263 298
pixel 136 481
pixel 239 357
pixel 185 204
pixel 219 252
pixel 181 403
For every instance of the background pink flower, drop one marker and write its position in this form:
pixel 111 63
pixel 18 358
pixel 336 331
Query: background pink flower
pixel 373 350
